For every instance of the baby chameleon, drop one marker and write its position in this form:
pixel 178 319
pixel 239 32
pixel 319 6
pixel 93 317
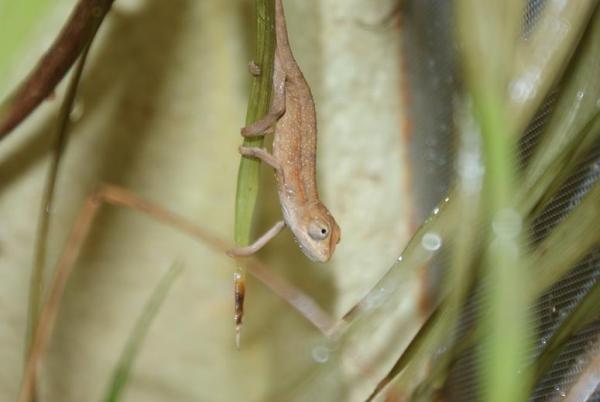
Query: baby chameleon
pixel 294 156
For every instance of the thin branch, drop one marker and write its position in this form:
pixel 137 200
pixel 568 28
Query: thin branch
pixel 48 315
pixel 123 198
pixel 249 171
pixel 54 64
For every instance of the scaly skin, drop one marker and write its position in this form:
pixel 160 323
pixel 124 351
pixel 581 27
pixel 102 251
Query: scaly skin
pixel 294 155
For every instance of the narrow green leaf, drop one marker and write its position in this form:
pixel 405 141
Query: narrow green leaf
pixel 258 105
pixel 36 287
pixel 585 312
pixel 140 330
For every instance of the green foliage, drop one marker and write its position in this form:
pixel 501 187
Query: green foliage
pixel 481 224
pixel 134 344
pixel 258 105
pixel 18 19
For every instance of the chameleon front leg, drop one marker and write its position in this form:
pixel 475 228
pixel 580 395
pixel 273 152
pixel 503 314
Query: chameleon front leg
pixel 261 154
pixel 261 127
pixel 259 243
pixel 269 159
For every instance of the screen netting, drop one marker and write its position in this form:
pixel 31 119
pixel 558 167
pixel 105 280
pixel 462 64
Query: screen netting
pixel 433 86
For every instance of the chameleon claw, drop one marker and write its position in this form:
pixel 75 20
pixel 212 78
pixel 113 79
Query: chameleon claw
pixel 254 69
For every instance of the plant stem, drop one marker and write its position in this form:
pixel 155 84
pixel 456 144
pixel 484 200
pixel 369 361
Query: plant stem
pixel 54 64
pixel 249 171
pixel 36 287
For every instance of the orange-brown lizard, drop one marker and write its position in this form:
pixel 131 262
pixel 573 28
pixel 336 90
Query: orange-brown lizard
pixel 294 155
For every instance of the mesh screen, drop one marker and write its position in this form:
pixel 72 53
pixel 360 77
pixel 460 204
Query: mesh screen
pixel 432 86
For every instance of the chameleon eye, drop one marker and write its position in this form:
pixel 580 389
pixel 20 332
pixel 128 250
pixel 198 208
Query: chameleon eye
pixel 318 230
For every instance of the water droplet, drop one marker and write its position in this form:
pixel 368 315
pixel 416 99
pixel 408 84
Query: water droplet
pixel 580 95
pixel 471 170
pixel 436 210
pixel 446 199
pixel 400 258
pixel 431 241
pixel 507 223
pixel 560 391
pixel 320 354
pixel 237 276
pixel 521 89
pixel 544 341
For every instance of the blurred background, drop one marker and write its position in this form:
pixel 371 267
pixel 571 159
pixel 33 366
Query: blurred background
pixel 404 140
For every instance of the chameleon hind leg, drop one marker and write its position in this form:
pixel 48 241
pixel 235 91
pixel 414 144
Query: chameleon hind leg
pixel 261 127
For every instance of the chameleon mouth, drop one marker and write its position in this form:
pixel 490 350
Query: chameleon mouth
pixel 336 236
pixel 316 255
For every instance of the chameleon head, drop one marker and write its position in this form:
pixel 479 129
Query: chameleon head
pixel 319 234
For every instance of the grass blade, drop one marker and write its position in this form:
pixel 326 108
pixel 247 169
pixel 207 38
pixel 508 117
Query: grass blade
pixel 545 54
pixel 568 243
pixel 249 171
pixel 573 116
pixel 36 287
pixel 489 33
pixel 140 330
pixel 585 312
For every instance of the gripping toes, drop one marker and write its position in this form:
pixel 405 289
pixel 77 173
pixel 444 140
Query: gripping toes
pixel 261 154
pixel 260 127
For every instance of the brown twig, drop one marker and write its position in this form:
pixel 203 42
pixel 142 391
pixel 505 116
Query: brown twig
pixel 118 196
pixel 50 309
pixel 54 64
